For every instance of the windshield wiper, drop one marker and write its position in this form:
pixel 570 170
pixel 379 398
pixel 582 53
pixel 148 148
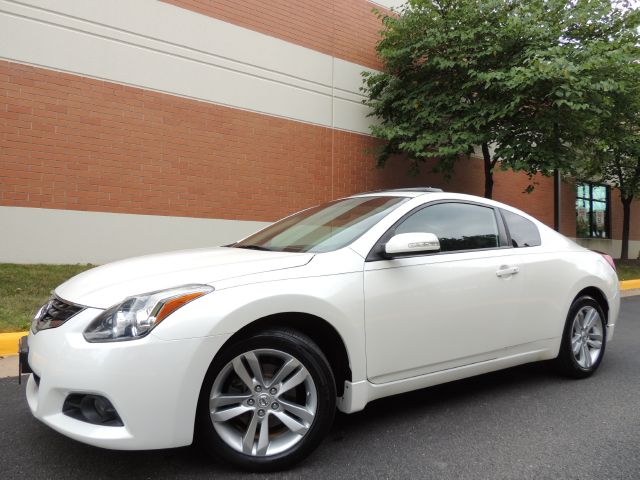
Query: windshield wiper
pixel 254 247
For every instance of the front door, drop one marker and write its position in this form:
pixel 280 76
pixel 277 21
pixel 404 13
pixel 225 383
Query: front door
pixel 442 310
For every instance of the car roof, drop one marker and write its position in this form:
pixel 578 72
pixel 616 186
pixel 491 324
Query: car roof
pixel 401 192
pixel 439 194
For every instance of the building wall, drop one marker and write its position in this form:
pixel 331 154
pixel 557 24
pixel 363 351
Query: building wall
pixel 343 29
pixel 133 127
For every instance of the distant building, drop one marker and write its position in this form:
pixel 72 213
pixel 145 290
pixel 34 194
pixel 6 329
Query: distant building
pixel 129 127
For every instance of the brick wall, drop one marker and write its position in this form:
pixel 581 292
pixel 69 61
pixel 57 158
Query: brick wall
pixel 69 142
pixel 327 27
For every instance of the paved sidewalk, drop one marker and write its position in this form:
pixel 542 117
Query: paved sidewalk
pixel 9 366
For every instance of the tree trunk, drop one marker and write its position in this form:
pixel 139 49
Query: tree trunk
pixel 488 171
pixel 626 220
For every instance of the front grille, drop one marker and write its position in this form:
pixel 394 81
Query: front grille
pixel 53 314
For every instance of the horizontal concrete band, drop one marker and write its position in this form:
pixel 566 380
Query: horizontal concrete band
pixel 161 47
pixel 40 235
pixel 392 4
pixel 611 246
pixel 43 235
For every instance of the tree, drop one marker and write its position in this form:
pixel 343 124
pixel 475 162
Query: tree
pixel 430 99
pixel 522 80
pixel 616 149
pixel 566 82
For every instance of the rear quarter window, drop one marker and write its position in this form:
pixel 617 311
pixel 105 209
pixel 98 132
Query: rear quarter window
pixel 524 233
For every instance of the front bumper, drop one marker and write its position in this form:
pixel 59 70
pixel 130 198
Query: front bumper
pixel 153 384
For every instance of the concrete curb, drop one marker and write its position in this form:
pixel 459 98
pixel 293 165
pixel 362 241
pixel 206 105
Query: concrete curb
pixel 630 284
pixel 9 341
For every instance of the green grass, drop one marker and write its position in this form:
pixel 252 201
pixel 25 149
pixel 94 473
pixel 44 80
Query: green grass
pixel 629 270
pixel 24 288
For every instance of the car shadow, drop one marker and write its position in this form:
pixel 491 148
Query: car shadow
pixel 446 396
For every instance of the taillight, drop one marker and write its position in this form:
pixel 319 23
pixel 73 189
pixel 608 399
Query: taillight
pixel 609 261
pixel 608 258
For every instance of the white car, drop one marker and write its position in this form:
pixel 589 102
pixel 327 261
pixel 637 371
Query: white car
pixel 252 346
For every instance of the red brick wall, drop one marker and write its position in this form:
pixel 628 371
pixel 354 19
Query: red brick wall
pixel 70 142
pixel 327 27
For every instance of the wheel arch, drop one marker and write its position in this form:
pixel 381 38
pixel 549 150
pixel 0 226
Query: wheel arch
pixel 318 329
pixel 599 296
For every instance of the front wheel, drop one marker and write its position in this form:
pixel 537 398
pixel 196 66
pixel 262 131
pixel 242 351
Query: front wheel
pixel 267 400
pixel 584 339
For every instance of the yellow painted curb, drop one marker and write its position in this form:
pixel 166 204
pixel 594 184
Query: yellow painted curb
pixel 9 343
pixel 630 284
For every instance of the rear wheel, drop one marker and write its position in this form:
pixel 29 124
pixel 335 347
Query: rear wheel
pixel 584 339
pixel 267 400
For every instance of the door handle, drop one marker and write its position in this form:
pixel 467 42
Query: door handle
pixel 505 271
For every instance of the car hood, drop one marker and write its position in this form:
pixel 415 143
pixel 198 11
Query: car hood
pixel 104 286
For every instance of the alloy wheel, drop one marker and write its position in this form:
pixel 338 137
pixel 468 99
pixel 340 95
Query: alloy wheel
pixel 586 336
pixel 263 402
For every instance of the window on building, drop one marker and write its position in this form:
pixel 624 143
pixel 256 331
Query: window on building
pixel 592 211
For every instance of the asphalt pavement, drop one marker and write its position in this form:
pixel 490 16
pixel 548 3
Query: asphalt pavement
pixel 521 423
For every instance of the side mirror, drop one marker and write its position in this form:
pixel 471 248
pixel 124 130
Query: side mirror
pixel 407 243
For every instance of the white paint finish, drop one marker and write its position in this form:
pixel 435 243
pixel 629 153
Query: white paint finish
pixel 336 298
pixel 177 367
pixel 39 235
pixel 436 329
pixel 330 285
pixel 358 394
pixel 106 285
pixel 161 47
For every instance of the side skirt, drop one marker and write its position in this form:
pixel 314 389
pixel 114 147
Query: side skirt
pixel 358 394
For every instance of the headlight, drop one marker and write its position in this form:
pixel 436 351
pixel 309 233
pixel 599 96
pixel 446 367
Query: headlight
pixel 136 316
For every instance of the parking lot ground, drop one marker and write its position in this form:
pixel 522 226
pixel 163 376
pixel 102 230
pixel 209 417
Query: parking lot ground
pixel 521 423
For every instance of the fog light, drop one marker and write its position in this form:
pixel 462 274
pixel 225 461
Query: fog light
pixel 94 409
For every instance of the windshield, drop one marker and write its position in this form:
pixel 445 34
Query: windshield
pixel 323 228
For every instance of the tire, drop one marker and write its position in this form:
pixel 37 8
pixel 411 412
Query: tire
pixel 583 363
pixel 296 418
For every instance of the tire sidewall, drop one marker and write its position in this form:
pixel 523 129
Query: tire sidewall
pixel 306 352
pixel 569 357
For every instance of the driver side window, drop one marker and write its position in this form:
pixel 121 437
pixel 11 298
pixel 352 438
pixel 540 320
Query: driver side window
pixel 458 226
